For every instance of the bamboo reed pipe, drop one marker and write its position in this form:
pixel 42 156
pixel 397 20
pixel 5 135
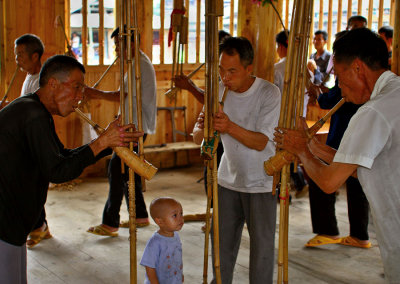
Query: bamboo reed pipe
pixel 105 72
pixel 9 87
pixel 142 168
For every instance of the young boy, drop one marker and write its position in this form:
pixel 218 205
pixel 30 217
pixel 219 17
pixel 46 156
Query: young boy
pixel 162 256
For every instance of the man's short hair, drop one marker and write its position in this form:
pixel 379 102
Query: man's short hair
pixel 222 35
pixel 357 18
pixel 323 33
pixel 387 31
pixel 58 66
pixel 364 44
pixel 116 32
pixel 238 45
pixel 282 38
pixel 32 44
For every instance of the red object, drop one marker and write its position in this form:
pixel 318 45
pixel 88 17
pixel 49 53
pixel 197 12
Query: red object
pixel 175 11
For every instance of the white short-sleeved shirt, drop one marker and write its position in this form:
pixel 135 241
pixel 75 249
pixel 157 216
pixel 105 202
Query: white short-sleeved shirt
pixel 149 95
pixel 257 109
pixel 372 141
pixel 279 80
pixel 30 85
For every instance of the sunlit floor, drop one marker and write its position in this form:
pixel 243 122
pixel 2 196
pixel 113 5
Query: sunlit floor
pixel 75 256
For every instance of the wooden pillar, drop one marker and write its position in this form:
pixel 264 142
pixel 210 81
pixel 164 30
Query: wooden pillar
pixel 260 25
pixel 396 40
pixel 145 21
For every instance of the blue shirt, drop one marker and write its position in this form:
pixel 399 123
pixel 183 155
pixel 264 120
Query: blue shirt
pixel 322 65
pixel 340 119
pixel 165 255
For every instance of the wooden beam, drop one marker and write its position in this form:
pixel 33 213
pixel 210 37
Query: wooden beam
pixel 370 11
pixel 330 13
pixel 380 18
pixel 339 17
pixel 101 32
pixel 321 15
pixel 396 40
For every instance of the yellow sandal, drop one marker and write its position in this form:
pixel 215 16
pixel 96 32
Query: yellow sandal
pixel 36 237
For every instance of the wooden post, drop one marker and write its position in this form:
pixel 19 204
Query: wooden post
pixel 396 40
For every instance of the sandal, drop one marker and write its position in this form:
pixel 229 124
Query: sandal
pixel 320 240
pixel 36 237
pixel 350 241
pixel 102 231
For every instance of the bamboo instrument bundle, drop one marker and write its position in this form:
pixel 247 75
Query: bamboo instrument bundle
pixel 142 168
pixel 213 10
pixel 282 158
pixel 9 87
pixel 291 107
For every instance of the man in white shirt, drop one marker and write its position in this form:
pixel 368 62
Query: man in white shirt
pixel 246 123
pixel 370 147
pixel 28 53
pixel 118 181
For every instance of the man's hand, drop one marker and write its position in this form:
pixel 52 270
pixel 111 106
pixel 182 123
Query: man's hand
pixel 183 82
pixel 293 141
pixel 222 122
pixel 311 65
pixel 115 135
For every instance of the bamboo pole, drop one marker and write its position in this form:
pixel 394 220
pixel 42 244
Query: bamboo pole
pixel 370 11
pixel 380 18
pixel 396 40
pixel 349 9
pixel 9 87
pixel 213 10
pixel 171 93
pixel 105 73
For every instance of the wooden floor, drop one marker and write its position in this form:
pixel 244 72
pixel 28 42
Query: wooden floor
pixel 74 256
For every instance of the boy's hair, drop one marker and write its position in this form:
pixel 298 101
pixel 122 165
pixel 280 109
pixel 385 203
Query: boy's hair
pixel 115 33
pixel 363 44
pixel 240 46
pixel 282 39
pixel 158 205
pixel 32 44
pixel 387 31
pixel 323 33
pixel 58 66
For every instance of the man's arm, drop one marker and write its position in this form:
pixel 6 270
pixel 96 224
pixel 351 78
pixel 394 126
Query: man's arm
pixel 93 93
pixel 251 139
pixel 328 177
pixel 152 275
pixel 183 82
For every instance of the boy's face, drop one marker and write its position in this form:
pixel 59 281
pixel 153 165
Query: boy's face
pixel 173 218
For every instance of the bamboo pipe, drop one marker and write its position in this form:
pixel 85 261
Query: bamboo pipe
pixel 171 93
pixel 9 87
pixel 105 72
pixel 275 163
pixel 142 168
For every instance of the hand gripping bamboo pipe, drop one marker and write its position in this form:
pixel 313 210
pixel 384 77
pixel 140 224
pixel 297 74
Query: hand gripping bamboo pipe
pixel 9 87
pixel 282 158
pixel 142 168
pixel 214 9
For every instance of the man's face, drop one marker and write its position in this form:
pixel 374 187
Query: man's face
pixel 354 88
pixel 319 42
pixel 233 74
pixel 69 93
pixel 22 58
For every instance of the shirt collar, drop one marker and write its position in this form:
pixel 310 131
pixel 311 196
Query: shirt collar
pixel 381 82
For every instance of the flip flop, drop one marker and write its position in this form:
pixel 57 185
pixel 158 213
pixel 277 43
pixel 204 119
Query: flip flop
pixel 319 240
pixel 36 237
pixel 350 241
pixel 125 224
pixel 102 231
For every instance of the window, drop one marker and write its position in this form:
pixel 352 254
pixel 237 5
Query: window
pixel 194 51
pixel 92 22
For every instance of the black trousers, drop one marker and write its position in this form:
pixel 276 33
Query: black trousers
pixel 323 216
pixel 118 188
pixel 41 220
